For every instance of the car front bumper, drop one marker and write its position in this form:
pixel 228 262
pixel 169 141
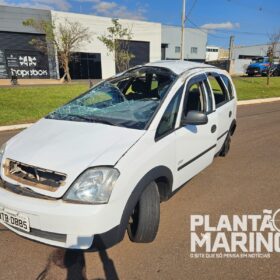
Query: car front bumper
pixel 253 71
pixel 256 71
pixel 62 224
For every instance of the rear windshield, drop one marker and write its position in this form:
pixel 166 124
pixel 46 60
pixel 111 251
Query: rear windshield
pixel 128 100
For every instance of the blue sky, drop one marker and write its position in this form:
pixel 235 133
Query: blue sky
pixel 249 20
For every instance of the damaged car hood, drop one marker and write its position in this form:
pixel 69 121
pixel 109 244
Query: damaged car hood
pixel 69 147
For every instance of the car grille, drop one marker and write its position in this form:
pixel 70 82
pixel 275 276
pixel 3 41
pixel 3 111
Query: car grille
pixel 17 189
pixel 34 176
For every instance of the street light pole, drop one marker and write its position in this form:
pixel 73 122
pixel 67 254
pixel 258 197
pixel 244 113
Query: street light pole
pixel 183 31
pixel 231 46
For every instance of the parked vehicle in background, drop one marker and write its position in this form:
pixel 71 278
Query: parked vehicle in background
pixel 101 164
pixel 274 70
pixel 259 66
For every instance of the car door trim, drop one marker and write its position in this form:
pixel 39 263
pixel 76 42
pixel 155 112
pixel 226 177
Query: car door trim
pixel 222 135
pixel 196 157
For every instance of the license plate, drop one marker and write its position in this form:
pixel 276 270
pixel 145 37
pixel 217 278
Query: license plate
pixel 17 221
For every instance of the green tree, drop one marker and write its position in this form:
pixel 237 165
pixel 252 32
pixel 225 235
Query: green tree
pixel 274 40
pixel 117 43
pixel 65 37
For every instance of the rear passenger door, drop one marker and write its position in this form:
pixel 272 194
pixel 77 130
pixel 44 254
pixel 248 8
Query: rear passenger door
pixel 195 144
pixel 220 87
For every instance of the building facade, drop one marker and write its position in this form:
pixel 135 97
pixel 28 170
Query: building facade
pixel 145 43
pixel 150 42
pixel 18 57
pixel 195 43
pixel 212 53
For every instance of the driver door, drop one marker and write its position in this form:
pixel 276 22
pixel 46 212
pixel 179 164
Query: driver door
pixel 195 144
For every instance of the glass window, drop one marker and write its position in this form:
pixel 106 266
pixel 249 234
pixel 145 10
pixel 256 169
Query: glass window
pixel 209 97
pixel 177 49
pixel 195 98
pixel 168 120
pixel 193 49
pixel 128 100
pixel 160 84
pixel 228 85
pixel 219 91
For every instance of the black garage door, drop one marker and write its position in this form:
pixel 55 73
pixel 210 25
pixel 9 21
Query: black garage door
pixel 141 52
pixel 85 66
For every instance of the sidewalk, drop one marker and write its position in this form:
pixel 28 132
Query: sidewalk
pixel 239 103
pixel 31 82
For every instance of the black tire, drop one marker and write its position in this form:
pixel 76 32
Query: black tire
pixel 144 221
pixel 226 147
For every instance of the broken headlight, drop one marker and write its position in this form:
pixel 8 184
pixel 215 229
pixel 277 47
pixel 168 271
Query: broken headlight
pixel 94 186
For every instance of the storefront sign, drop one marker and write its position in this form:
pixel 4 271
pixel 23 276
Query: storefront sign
pixel 3 70
pixel 27 64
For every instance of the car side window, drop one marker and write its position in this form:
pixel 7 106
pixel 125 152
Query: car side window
pixel 195 98
pixel 168 120
pixel 198 96
pixel 228 85
pixel 220 93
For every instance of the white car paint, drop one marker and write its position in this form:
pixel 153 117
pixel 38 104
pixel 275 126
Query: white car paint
pixel 69 147
pixel 72 147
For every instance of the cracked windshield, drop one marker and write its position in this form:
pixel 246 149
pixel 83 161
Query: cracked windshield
pixel 128 100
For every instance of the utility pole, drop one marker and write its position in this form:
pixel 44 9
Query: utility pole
pixel 231 45
pixel 183 31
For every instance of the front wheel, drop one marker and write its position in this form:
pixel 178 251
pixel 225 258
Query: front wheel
pixel 144 221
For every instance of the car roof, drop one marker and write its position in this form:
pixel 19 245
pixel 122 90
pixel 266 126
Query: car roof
pixel 179 66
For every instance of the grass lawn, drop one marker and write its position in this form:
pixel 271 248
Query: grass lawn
pixel 28 104
pixel 252 88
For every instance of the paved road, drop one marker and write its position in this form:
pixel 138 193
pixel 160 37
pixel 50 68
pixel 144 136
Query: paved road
pixel 245 182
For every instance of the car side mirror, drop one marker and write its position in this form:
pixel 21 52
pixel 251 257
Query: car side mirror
pixel 194 118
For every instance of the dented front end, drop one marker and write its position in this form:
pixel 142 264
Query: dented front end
pixel 33 176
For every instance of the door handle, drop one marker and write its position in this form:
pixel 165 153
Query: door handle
pixel 230 114
pixel 213 128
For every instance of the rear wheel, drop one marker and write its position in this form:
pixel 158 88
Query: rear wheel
pixel 144 221
pixel 225 149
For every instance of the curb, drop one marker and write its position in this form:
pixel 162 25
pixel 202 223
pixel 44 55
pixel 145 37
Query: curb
pixel 258 101
pixel 239 103
pixel 15 127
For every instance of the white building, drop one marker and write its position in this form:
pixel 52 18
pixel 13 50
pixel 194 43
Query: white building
pixel 195 43
pixel 146 37
pixel 212 53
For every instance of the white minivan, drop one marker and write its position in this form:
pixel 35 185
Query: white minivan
pixel 102 163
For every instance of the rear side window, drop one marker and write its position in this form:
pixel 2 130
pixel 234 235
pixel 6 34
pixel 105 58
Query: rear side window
pixel 168 120
pixel 220 93
pixel 228 85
